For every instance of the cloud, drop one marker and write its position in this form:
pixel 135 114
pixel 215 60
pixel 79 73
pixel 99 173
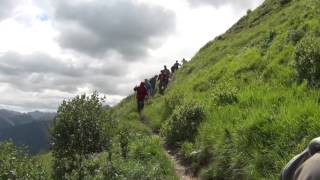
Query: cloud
pixel 98 27
pixel 218 3
pixel 38 72
pixel 6 8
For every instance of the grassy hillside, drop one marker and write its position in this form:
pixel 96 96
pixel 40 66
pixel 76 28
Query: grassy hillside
pixel 257 113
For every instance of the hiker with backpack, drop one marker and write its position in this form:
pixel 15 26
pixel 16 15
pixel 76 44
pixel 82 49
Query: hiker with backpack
pixel 166 76
pixel 153 82
pixel 184 61
pixel 141 95
pixel 175 67
pixel 172 69
pixel 162 79
pixel 148 87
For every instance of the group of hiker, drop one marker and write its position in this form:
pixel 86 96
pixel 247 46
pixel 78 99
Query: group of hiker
pixel 304 166
pixel 147 88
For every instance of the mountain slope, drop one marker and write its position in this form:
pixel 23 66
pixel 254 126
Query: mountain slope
pixel 26 129
pixel 12 118
pixel 258 115
pixel 34 135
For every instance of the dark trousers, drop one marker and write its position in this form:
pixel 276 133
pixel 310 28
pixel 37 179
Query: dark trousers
pixel 140 105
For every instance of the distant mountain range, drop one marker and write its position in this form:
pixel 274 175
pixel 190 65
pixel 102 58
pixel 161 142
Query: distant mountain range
pixel 26 129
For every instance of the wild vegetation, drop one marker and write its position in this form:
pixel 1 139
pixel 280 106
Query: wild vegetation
pixel 258 85
pixel 16 164
pixel 241 109
pixel 91 143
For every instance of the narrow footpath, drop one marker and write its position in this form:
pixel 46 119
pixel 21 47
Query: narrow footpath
pixel 182 171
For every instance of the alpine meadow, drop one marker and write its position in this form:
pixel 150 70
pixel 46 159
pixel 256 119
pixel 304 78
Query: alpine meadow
pixel 240 109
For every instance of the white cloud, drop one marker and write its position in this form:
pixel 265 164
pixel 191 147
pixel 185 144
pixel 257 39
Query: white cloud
pixel 237 4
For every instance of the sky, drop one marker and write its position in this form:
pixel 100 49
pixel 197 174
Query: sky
pixel 52 50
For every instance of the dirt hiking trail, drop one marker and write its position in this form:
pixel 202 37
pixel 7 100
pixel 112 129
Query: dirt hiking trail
pixel 182 171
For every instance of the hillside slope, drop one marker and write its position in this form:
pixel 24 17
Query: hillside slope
pixel 12 118
pixel 34 135
pixel 257 114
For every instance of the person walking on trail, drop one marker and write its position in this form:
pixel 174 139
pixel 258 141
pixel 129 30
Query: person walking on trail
pixel 175 67
pixel 304 166
pixel 172 69
pixel 161 79
pixel 166 71
pixel 148 87
pixel 141 95
pixel 166 76
pixel 153 82
pixel 184 61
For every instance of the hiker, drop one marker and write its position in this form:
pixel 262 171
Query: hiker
pixel 166 76
pixel 153 82
pixel 184 61
pixel 172 69
pixel 148 87
pixel 175 67
pixel 304 166
pixel 141 95
pixel 161 78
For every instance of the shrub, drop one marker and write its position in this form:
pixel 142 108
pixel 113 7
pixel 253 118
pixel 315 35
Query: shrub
pixel 307 58
pixel 202 86
pixel 187 150
pixel 124 142
pixel 171 102
pixel 77 132
pixel 267 40
pixel 16 164
pixel 295 35
pixel 174 100
pixel 183 123
pixel 152 160
pixel 283 2
pixel 224 94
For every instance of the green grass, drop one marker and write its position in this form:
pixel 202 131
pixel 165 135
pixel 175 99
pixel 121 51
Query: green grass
pixel 45 159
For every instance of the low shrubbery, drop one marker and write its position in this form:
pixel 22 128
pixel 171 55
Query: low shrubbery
pixel 224 93
pixel 16 164
pixel 308 60
pixel 295 35
pixel 183 123
pixel 283 2
pixel 172 101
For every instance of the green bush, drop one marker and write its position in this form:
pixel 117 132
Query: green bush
pixel 183 123
pixel 283 2
pixel 267 40
pixel 307 58
pixel 171 102
pixel 202 86
pixel 174 100
pixel 224 94
pixel 295 35
pixel 187 151
pixel 16 164
pixel 152 160
pixel 78 131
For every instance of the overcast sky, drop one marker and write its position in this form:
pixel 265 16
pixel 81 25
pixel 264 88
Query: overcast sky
pixel 51 50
